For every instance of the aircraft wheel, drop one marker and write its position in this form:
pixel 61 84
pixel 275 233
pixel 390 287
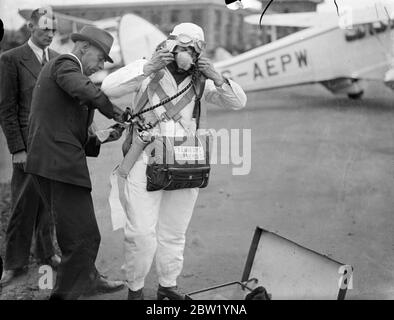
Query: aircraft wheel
pixel 356 96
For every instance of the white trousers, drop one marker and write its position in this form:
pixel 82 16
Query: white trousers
pixel 156 225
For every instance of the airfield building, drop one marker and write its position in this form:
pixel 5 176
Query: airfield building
pixel 223 27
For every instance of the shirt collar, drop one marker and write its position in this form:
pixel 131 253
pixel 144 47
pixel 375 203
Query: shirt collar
pixel 37 50
pixel 79 61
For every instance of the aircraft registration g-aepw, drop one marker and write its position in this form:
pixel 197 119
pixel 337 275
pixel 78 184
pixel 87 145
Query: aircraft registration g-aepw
pixel 325 52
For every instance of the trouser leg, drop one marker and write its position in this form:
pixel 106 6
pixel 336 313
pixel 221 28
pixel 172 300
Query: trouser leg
pixel 142 208
pixel 26 209
pixel 44 233
pixel 175 214
pixel 77 234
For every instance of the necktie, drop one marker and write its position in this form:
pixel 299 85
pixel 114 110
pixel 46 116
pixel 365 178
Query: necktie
pixel 44 58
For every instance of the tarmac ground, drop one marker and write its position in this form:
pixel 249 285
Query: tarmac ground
pixel 321 175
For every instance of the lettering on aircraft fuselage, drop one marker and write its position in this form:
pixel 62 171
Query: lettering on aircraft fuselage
pixel 274 66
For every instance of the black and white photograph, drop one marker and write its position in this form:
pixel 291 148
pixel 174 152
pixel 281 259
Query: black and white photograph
pixel 214 151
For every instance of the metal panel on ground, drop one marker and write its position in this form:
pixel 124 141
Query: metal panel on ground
pixel 290 271
pixel 287 270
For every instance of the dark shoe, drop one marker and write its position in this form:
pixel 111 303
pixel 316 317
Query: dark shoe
pixel 171 293
pixel 9 275
pixel 259 293
pixel 102 285
pixel 135 295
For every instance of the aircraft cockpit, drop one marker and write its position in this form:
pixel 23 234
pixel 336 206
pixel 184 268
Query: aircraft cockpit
pixel 361 30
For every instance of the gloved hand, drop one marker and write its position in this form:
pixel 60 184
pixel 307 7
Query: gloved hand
pixel 159 60
pixel 208 70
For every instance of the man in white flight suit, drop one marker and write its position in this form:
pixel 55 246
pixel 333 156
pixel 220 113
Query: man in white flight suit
pixel 157 220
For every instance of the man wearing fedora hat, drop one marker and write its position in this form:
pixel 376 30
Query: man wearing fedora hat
pixel 62 110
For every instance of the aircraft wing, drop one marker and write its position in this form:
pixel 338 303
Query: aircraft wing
pixel 371 14
pixel 302 19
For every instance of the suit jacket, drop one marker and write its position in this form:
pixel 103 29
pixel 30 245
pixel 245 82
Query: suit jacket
pixel 61 112
pixel 19 70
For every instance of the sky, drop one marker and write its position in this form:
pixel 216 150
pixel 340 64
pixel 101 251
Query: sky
pixel 12 20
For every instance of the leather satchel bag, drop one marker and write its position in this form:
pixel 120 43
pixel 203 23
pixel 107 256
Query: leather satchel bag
pixel 178 162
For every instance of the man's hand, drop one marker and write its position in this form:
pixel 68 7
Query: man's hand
pixel 206 67
pixel 19 157
pixel 119 114
pixel 113 133
pixel 158 61
pixel 116 133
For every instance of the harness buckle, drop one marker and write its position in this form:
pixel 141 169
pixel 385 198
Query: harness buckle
pixel 164 117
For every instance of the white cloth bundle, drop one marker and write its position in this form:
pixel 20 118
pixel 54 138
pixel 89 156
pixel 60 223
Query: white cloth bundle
pixel 118 215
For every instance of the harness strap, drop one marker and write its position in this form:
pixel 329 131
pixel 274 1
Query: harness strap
pixel 143 100
pixel 172 111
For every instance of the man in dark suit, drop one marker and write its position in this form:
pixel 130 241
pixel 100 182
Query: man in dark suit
pixel 62 110
pixel 19 69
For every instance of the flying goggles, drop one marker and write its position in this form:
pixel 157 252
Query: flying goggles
pixel 185 40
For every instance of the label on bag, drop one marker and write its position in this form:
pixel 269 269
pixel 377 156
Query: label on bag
pixel 189 153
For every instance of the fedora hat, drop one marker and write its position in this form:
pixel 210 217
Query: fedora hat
pixel 97 37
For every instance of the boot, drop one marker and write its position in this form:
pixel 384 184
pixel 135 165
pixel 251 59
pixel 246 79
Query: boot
pixel 102 285
pixel 135 295
pixel 171 293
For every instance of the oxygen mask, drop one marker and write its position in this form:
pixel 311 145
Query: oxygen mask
pixel 184 60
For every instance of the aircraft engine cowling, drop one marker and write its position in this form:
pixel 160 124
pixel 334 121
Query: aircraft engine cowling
pixel 350 87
